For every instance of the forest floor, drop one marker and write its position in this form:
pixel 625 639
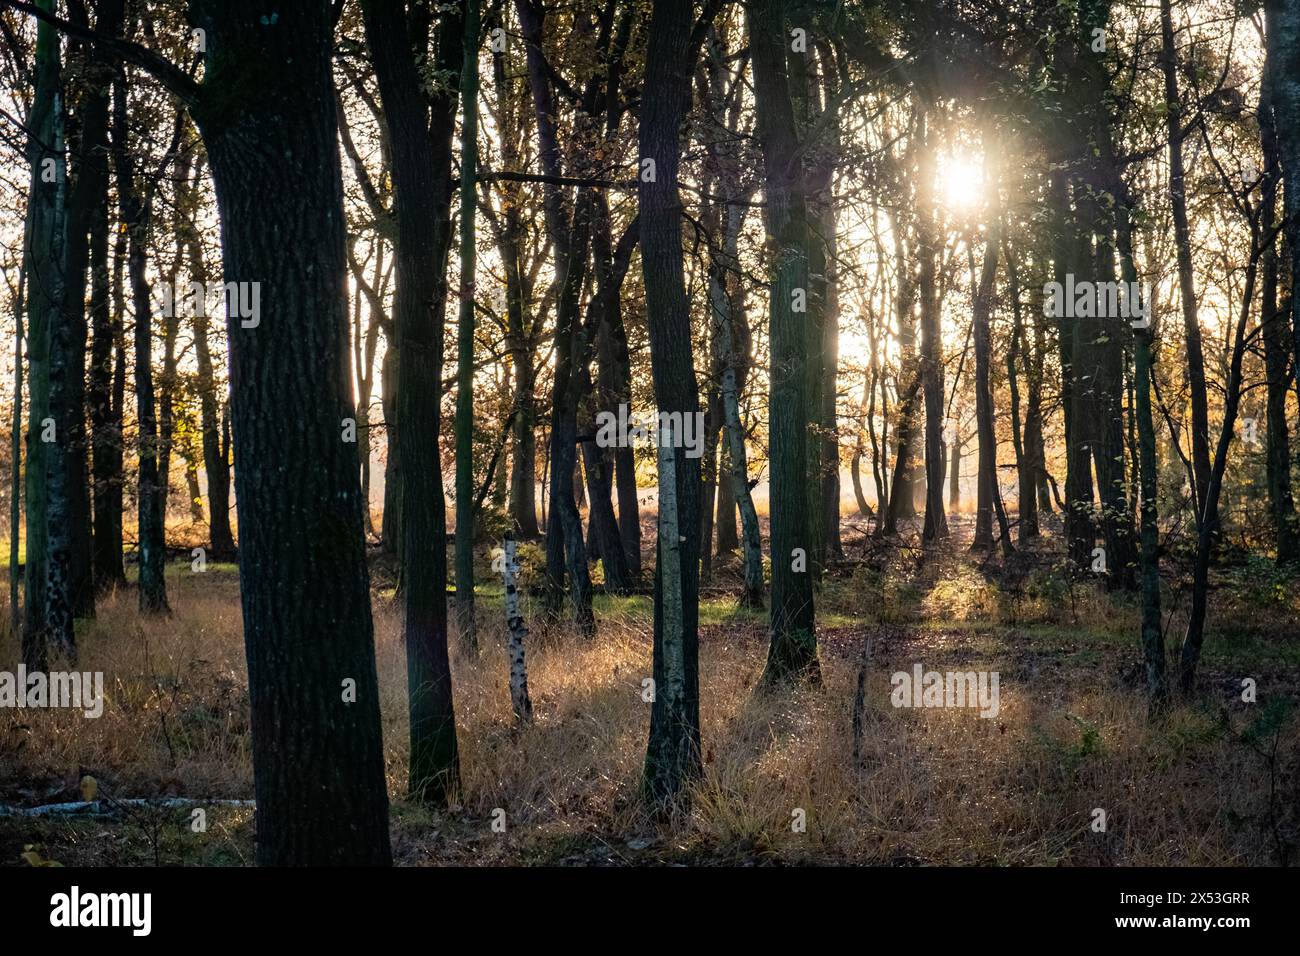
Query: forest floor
pixel 1217 782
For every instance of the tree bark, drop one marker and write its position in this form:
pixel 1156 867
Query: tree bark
pixel 136 201
pixel 1278 340
pixel 673 755
pixel 792 651
pixel 465 624
pixel 42 266
pixel 421 169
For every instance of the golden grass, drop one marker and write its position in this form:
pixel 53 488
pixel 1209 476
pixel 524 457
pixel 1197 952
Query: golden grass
pixel 934 786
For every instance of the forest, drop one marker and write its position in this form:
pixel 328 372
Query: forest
pixel 650 432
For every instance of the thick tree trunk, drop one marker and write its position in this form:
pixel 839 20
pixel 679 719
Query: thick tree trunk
pixel 87 203
pixel 105 430
pixel 421 167
pixel 42 265
pixel 48 267
pixel 792 651
pixel 673 755
pixel 271 135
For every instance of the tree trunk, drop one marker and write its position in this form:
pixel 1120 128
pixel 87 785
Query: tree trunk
pixel 792 652
pixel 136 211
pixel 752 591
pixel 1153 640
pixel 1283 68
pixel 87 202
pixel 726 531
pixel 271 135
pixel 216 465
pixel 1022 435
pixel 421 169
pixel 1277 350
pixel 42 266
pixel 49 280
pixel 16 460
pixel 1190 654
pixel 465 336
pixel 1186 273
pixel 673 755
pixel 929 250
pixel 987 477
pixel 516 630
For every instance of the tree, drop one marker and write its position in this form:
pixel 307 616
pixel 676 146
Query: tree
pixel 465 336
pixel 792 651
pixel 673 752
pixel 136 202
pixel 421 169
pixel 43 266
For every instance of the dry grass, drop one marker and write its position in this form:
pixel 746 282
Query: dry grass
pixel 934 786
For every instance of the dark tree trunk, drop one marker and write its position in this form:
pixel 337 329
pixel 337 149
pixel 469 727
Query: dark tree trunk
pixel 1153 639
pixel 422 195
pixel 902 495
pixel 1283 67
pixel 136 211
pixel 87 202
pixel 391 524
pixel 792 651
pixel 929 250
pixel 988 498
pixel 106 397
pixel 464 426
pixel 42 255
pixel 49 267
pixel 1078 476
pixel 105 427
pixel 1024 435
pixel 268 118
pixel 1278 339
pixel 673 756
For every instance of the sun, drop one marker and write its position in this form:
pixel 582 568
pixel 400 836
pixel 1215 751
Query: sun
pixel 960 181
